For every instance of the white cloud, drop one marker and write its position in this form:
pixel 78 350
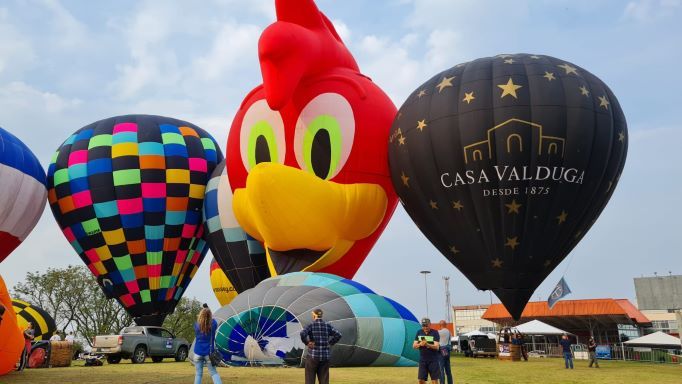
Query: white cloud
pixel 16 51
pixel 342 29
pixel 650 10
pixel 234 46
pixel 69 32
pixel 20 96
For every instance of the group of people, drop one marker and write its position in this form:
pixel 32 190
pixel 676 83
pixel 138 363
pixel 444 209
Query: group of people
pixel 57 336
pixel 566 343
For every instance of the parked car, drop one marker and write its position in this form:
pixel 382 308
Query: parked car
pixel 136 343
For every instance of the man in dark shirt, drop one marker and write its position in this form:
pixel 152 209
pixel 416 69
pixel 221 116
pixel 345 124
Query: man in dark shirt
pixel 566 348
pixel 427 341
pixel 318 336
pixel 592 352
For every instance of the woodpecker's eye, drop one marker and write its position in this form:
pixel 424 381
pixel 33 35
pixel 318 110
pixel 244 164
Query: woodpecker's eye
pixel 261 136
pixel 324 135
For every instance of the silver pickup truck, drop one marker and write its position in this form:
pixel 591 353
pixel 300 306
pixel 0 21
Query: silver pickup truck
pixel 136 343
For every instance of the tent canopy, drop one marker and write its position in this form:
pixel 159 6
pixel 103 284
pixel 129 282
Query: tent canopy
pixel 657 338
pixel 537 327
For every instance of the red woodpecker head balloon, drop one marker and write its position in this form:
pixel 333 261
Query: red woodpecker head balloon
pixel 307 151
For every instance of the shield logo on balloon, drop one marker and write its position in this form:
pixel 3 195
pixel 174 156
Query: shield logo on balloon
pixel 505 162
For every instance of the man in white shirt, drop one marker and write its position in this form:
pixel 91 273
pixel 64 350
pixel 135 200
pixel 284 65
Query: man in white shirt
pixel 445 348
pixel 56 337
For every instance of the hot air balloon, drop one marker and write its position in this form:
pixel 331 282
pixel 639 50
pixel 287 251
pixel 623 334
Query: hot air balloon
pixel 241 258
pixel 505 162
pixel 306 154
pixel 264 323
pixel 222 287
pixel 43 324
pixel 12 344
pixel 22 192
pixel 127 192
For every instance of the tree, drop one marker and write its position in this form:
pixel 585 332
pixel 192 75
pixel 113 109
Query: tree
pixel 181 322
pixel 73 298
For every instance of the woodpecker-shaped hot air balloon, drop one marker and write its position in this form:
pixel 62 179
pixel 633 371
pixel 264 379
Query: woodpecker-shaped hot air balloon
pixel 307 150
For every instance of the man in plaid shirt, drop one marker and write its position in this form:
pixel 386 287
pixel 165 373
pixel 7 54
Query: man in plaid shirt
pixel 318 336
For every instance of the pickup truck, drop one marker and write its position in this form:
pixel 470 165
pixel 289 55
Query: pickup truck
pixel 136 343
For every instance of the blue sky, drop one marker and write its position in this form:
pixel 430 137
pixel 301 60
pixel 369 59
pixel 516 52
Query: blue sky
pixel 65 64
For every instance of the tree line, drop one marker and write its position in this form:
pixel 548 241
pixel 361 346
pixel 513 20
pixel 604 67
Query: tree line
pixel 75 301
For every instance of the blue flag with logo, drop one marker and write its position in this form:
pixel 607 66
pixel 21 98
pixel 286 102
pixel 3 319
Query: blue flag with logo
pixel 560 291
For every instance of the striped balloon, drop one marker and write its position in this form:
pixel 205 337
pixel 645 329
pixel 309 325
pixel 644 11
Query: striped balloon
pixel 127 192
pixel 263 323
pixel 43 324
pixel 241 257
pixel 22 192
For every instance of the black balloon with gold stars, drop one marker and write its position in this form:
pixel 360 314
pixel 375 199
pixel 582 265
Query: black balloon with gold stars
pixel 505 163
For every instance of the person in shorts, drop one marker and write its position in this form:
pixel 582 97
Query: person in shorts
pixel 427 341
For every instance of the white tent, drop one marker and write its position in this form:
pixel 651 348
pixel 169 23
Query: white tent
pixel 655 339
pixel 537 327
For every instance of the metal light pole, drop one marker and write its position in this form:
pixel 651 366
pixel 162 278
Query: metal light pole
pixel 448 307
pixel 426 291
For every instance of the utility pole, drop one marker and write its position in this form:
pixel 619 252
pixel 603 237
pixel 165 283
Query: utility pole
pixel 426 292
pixel 448 306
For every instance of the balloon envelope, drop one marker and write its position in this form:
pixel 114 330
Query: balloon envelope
pixel 22 192
pixel 222 287
pixel 241 258
pixel 12 343
pixel 43 324
pixel 127 192
pixel 505 162
pixel 264 323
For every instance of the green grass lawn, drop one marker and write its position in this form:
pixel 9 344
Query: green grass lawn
pixel 466 370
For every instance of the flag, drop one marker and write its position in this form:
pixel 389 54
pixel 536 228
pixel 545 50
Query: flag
pixel 561 290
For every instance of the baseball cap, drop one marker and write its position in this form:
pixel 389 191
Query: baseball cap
pixel 426 321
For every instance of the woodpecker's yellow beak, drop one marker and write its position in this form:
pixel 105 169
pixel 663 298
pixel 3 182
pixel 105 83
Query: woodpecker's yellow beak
pixel 305 223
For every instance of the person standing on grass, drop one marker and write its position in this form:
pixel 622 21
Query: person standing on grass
pixel 445 349
pixel 566 348
pixel 204 332
pixel 427 341
pixel 319 336
pixel 592 352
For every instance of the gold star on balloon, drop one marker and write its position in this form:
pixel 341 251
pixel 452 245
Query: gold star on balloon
pixel 603 102
pixel 584 91
pixel 513 207
pixel 562 218
pixel 621 136
pixel 446 82
pixel 457 205
pixel 568 68
pixel 512 242
pixel 468 97
pixel 401 140
pixel 406 180
pixel 509 88
pixel 497 263
pixel 433 204
pixel 509 61
pixel 421 93
pixel 421 124
pixel 549 76
pixel 454 250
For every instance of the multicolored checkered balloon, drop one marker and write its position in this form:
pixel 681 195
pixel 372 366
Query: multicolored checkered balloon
pixel 128 193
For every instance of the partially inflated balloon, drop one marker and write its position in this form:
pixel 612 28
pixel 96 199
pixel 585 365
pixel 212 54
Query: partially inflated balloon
pixel 43 324
pixel 11 338
pixel 240 256
pixel 22 192
pixel 127 192
pixel 505 163
pixel 222 287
